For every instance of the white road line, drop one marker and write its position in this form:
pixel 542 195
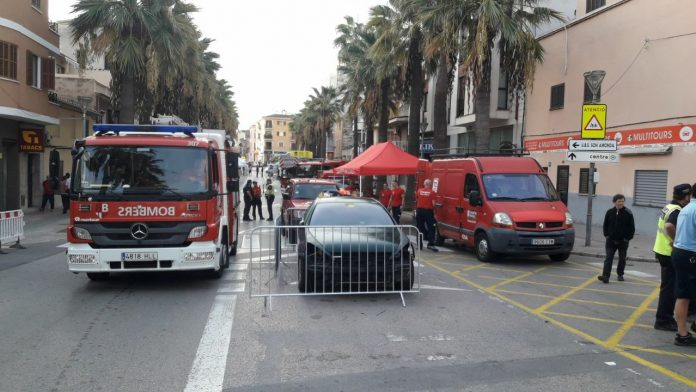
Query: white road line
pixel 233 288
pixel 632 273
pixel 208 369
pixel 235 276
pixel 239 267
pixel 425 286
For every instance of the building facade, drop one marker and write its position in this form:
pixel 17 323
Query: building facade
pixel 647 50
pixel 29 49
pixel 277 138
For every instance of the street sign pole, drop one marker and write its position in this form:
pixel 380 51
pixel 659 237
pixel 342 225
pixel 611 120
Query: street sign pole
pixel 590 193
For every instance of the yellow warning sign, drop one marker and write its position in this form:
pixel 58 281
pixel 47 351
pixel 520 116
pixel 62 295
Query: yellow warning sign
pixel 594 121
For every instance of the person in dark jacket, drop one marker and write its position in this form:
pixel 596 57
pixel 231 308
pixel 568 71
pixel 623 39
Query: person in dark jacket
pixel 248 199
pixel 619 228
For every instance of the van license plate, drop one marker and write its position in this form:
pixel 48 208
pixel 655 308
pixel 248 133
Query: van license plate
pixel 139 256
pixel 542 241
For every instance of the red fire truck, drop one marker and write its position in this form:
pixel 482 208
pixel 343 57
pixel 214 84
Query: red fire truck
pixel 152 198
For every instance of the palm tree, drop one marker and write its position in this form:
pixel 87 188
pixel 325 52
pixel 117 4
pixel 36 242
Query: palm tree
pixel 476 27
pixel 325 103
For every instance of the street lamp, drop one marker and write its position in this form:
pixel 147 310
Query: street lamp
pixel 423 128
pixel 84 103
pixel 594 82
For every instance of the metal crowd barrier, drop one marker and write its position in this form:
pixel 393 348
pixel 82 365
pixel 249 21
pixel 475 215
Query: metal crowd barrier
pixel 333 260
pixel 11 228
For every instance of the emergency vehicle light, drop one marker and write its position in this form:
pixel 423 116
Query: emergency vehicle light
pixel 101 129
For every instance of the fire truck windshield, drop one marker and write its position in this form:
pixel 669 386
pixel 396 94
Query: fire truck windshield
pixel 120 171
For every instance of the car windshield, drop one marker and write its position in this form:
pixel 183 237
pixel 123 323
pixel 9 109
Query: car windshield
pixel 311 191
pixel 519 187
pixel 124 170
pixel 350 214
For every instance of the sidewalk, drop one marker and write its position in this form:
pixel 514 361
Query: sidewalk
pixel 46 226
pixel 639 249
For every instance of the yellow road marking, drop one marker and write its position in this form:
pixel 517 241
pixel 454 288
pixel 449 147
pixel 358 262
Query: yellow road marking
pixel 471 268
pixel 564 276
pixel 489 267
pixel 506 281
pixel 523 293
pixel 437 259
pixel 590 318
pixel 565 295
pixel 623 330
pixel 656 351
pixel 598 269
pixel 586 336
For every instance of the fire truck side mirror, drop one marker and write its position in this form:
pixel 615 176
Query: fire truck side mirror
pixel 232 186
pixel 475 199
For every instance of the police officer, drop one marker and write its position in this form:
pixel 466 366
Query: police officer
pixel 684 263
pixel 666 229
pixel 425 220
pixel 269 193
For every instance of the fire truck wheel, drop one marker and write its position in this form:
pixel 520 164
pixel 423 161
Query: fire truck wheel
pixel 225 253
pixel 98 276
pixel 233 248
pixel 217 274
pixel 483 248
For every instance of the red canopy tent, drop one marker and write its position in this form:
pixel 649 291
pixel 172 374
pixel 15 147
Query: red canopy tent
pixel 380 160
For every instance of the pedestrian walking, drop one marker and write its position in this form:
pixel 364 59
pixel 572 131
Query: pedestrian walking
pixel 666 230
pixel 248 200
pixel 619 229
pixel 269 192
pixel 425 219
pixel 65 192
pixel 397 200
pixel 385 195
pixel 258 165
pixel 256 202
pixel 684 263
pixel 48 194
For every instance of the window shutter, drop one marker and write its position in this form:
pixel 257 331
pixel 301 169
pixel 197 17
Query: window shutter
pixel 30 79
pixel 48 72
pixel 650 188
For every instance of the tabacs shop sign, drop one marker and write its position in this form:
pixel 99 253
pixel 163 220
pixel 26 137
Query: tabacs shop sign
pixel 31 140
pixel 669 135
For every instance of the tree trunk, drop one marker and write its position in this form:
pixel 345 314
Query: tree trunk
pixel 356 136
pixel 482 109
pixel 369 140
pixel 440 139
pixel 126 113
pixel 414 112
pixel 383 128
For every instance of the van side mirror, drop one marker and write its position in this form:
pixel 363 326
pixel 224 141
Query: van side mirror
pixel 564 196
pixel 475 199
pixel 232 186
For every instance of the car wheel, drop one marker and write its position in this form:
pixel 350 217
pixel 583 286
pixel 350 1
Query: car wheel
pixel 98 276
pixel 305 279
pixel 405 282
pixel 483 248
pixel 559 257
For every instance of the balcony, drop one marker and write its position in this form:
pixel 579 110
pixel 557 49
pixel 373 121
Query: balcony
pixel 53 26
pixel 268 136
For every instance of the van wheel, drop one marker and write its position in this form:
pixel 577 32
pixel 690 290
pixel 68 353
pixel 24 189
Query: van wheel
pixel 439 239
pixel 483 248
pixel 559 257
pixel 98 276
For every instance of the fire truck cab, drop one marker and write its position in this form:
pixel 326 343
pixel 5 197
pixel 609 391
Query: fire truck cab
pixel 152 198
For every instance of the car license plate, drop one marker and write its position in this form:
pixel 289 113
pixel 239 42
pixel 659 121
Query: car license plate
pixel 139 256
pixel 542 241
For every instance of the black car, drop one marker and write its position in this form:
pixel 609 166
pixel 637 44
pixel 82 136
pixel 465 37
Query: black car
pixel 351 244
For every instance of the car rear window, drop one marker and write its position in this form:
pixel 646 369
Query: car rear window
pixel 350 214
pixel 311 191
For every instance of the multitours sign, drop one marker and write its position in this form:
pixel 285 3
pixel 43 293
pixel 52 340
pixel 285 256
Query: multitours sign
pixel 671 135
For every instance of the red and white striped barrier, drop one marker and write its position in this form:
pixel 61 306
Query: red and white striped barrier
pixel 11 228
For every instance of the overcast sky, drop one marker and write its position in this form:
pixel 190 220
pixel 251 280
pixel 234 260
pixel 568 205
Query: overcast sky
pixel 272 51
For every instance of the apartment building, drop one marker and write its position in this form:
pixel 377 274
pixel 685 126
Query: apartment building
pixel 28 53
pixel 647 49
pixel 277 138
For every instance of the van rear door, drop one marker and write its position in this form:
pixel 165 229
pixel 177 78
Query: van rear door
pixel 471 214
pixel 448 200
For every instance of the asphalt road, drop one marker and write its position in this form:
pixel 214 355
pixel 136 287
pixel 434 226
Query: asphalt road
pixel 522 325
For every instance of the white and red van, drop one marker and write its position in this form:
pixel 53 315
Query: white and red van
pixel 500 205
pixel 152 198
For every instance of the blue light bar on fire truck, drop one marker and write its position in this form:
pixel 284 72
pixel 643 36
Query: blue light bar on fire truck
pixel 102 129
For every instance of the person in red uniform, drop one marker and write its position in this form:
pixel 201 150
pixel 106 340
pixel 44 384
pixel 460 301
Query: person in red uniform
pixel 397 200
pixel 48 194
pixel 385 195
pixel 425 219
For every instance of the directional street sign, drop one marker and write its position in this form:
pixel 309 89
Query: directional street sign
pixel 592 156
pixel 591 145
pixel 594 121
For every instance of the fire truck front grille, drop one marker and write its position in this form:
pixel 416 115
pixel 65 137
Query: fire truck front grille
pixel 119 234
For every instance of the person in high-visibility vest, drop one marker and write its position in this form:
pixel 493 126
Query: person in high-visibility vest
pixel 666 229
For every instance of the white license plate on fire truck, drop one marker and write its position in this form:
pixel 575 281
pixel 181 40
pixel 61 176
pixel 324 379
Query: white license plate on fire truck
pixel 542 241
pixel 139 256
